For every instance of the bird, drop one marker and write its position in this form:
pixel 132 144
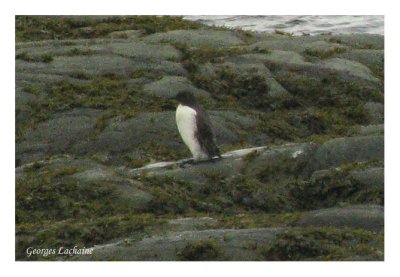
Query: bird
pixel 195 128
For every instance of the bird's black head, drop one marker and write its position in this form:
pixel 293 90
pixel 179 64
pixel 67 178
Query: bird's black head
pixel 186 97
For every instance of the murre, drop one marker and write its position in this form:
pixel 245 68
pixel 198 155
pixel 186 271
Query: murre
pixel 195 128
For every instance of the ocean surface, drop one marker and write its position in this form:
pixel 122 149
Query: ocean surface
pixel 298 24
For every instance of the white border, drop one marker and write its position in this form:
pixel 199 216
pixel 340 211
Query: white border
pixel 392 241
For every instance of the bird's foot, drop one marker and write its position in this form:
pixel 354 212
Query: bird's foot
pixel 186 162
pixel 189 162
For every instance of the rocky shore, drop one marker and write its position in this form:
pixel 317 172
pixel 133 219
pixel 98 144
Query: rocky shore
pixel 298 118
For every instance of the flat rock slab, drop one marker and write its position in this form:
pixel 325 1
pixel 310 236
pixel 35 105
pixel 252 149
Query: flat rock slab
pixel 369 217
pixel 99 64
pixel 253 160
pixel 231 245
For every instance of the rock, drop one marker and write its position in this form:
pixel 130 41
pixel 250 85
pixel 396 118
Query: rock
pixel 125 188
pixel 192 223
pixel 345 150
pixel 252 160
pixel 141 50
pixel 196 38
pixel 368 41
pixel 371 177
pixel 58 134
pixel 169 86
pixel 228 244
pixel 97 65
pixel 285 58
pixel 369 217
pixel 89 172
pixel 252 64
pixel 127 35
pixel 296 44
pixel 351 67
pixel 279 159
pixel 374 59
pixel 371 129
pixel 160 130
pixel 375 112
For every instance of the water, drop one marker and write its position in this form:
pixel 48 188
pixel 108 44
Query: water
pixel 298 24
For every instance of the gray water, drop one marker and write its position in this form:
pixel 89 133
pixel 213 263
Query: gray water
pixel 298 24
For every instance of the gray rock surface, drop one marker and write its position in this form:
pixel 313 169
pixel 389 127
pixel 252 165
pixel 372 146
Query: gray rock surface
pixel 369 217
pixel 372 129
pixel 232 245
pixel 374 59
pixel 375 111
pixel 192 223
pixel 351 67
pixel 345 150
pixel 371 177
pixel 58 134
pixel 169 86
pixel 296 44
pixel 196 38
pixel 253 64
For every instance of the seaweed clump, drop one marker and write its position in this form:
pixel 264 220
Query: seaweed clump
pixel 323 244
pixel 33 28
pixel 200 250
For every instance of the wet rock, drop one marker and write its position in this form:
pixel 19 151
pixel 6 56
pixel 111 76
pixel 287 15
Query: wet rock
pixel 228 244
pixel 196 38
pixel 372 129
pixel 375 112
pixel 192 223
pixel 281 57
pixel 141 50
pixel 369 217
pixel 248 65
pixel 128 34
pixel 125 189
pixel 368 41
pixel 58 134
pixel 351 67
pixel 169 86
pixel 160 130
pixel 252 161
pixel 374 59
pixel 97 65
pixel 296 44
pixel 371 177
pixel 345 150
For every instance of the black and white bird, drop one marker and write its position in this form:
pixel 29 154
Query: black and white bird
pixel 195 128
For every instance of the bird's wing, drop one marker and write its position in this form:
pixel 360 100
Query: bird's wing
pixel 206 135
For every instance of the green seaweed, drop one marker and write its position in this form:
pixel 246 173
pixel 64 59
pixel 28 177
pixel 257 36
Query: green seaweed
pixel 32 28
pixel 324 54
pixel 305 244
pixel 333 187
pixel 200 250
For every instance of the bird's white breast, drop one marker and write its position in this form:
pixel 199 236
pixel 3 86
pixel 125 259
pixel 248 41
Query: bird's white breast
pixel 187 127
